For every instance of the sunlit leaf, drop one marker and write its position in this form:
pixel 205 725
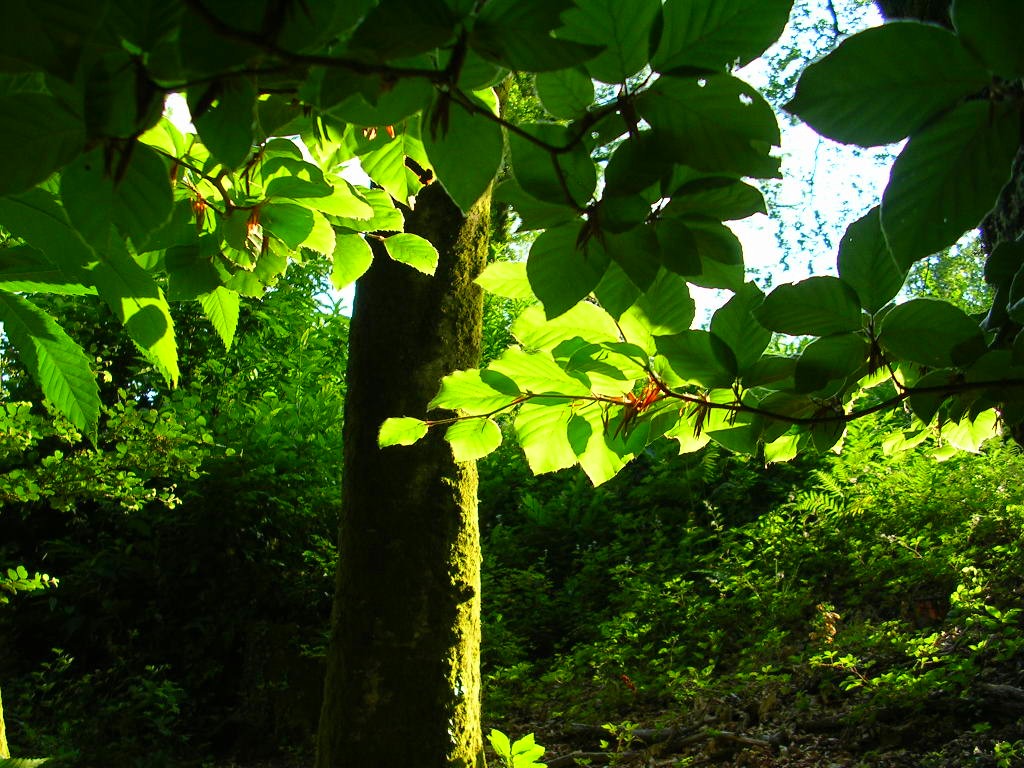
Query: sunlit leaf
pixel 404 430
pixel 54 359
pixel 221 307
pixel 413 250
pixel 352 257
pixel 473 439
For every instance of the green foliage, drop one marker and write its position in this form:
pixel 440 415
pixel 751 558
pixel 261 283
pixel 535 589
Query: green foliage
pixel 877 581
pixel 523 753
pixel 122 203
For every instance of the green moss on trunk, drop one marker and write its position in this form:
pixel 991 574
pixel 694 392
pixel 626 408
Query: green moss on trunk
pixel 4 751
pixel 403 680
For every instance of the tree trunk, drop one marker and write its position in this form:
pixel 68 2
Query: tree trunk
pixel 403 673
pixel 4 750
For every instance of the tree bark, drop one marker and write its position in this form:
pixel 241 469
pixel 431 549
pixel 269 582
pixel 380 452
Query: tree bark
pixel 5 752
pixel 403 673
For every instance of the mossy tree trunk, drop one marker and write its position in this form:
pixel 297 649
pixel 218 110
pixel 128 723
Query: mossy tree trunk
pixel 4 750
pixel 403 673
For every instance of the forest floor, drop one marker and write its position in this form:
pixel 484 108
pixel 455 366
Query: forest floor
pixel 770 734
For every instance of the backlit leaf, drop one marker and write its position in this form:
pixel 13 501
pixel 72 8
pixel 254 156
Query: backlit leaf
pixel 624 30
pixel 473 439
pixel 465 150
pixel 884 83
pixel 226 123
pixel 988 29
pixel 413 250
pixel 54 359
pixel 818 306
pixel 221 307
pixel 715 34
pixel 507 279
pixel 561 271
pixel 867 264
pixel 947 178
pixel 404 430
pixel 352 257
pixel 930 332
pixel 38 136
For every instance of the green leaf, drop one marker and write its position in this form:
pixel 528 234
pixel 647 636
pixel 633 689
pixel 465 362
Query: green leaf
pixel 948 177
pixel 782 449
pixel 717 124
pixel 54 359
pixel 343 201
pixel 599 460
pixel 818 306
pixel 23 268
pixel 386 166
pixel 533 213
pixel 969 435
pixel 413 250
pixel 221 307
pixel 623 29
pixel 35 217
pixel 720 199
pixel 734 324
pixel 517 35
pixel 290 177
pixel 507 279
pixel 542 431
pixel 566 93
pixel 585 320
pixel 223 113
pixel 636 251
pixel 138 203
pixel 565 178
pixel 885 83
pixel 665 308
pixel 190 273
pixel 401 431
pixel 677 246
pixel 137 301
pixel 384 216
pixel 127 288
pixel 473 439
pixel 831 360
pixel 930 332
pixel 391 102
pixel 699 357
pixel 475 392
pixel 465 150
pixel 400 28
pixel 501 744
pixel 22 762
pixel 989 29
pixel 291 224
pixel 38 136
pixel 561 271
pixel 718 34
pixel 352 257
pixel 536 373
pixel 866 264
